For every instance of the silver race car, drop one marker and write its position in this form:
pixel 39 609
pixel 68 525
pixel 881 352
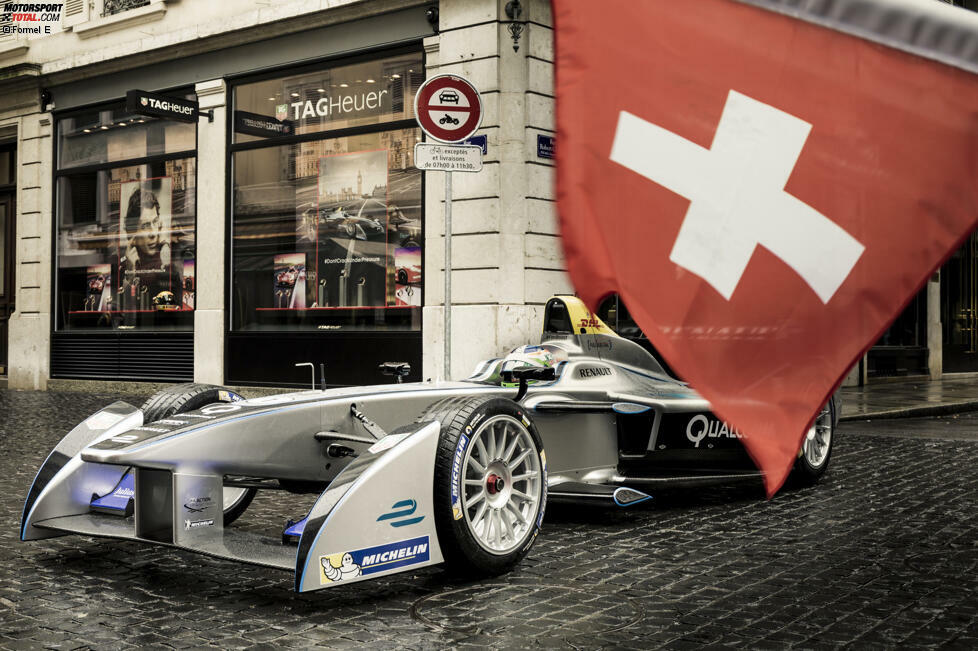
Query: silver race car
pixel 407 475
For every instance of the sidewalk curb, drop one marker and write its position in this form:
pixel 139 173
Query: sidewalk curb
pixel 911 412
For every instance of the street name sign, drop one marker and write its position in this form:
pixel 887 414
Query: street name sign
pixel 447 158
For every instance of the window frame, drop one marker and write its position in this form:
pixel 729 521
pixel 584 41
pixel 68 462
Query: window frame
pixel 58 173
pixel 232 148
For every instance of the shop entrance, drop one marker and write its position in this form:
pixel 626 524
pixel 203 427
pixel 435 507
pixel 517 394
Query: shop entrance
pixel 7 219
pixel 959 308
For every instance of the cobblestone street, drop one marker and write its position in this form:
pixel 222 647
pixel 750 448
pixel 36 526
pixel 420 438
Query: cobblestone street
pixel 883 553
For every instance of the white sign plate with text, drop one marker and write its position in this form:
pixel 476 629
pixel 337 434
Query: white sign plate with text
pixel 448 158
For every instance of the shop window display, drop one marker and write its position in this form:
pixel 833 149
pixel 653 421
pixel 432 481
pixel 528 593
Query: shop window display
pixel 330 236
pixel 126 241
pixel 326 227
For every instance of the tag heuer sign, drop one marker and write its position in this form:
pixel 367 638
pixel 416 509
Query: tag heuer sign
pixel 155 105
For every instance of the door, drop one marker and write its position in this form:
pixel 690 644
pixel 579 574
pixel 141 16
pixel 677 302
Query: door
pixel 8 189
pixel 959 308
pixel 6 271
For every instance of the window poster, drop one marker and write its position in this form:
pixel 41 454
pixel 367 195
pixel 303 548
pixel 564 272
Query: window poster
pixel 351 247
pixel 407 276
pixel 99 283
pixel 289 288
pixel 189 283
pixel 150 279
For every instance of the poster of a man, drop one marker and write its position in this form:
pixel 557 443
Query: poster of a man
pixel 149 279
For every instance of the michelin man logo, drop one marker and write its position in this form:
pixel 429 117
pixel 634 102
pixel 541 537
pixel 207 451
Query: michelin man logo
pixel 347 569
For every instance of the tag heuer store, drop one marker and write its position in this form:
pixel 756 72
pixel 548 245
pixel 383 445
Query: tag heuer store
pixel 322 224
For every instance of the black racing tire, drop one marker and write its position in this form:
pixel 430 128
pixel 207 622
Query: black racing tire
pixel 813 462
pixel 465 420
pixel 402 277
pixel 181 398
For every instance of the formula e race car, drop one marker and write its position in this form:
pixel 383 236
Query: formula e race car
pixel 407 475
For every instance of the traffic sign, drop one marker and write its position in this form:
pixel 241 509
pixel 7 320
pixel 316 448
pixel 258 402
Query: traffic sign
pixel 448 158
pixel 448 108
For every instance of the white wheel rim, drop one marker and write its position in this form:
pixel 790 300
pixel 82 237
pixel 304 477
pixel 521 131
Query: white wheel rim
pixel 501 484
pixel 818 441
pixel 232 496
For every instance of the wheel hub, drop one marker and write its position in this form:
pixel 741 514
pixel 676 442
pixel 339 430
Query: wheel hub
pixel 498 484
pixel 494 484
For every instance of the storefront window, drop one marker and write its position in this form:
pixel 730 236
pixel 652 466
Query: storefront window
pixel 126 241
pixel 326 231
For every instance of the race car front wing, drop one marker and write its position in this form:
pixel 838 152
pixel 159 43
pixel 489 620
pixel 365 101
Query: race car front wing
pixel 375 518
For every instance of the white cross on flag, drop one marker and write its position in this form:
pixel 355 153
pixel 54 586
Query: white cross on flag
pixel 765 193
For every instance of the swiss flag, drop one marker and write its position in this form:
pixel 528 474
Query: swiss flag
pixel 765 194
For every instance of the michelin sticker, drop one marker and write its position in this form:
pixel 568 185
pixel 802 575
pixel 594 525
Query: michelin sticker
pixel 543 502
pixel 463 443
pixel 343 566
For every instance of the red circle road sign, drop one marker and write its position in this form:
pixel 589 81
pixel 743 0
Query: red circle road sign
pixel 448 108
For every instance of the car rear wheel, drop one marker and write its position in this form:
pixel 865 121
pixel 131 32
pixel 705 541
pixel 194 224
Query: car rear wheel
pixel 182 398
pixel 490 484
pixel 816 449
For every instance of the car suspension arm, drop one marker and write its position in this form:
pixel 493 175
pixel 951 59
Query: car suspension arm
pixel 372 427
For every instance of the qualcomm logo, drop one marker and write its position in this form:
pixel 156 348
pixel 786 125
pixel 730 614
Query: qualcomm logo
pixel 737 197
pixel 400 512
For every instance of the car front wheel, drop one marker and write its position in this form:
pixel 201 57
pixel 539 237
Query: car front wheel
pixel 816 449
pixel 490 483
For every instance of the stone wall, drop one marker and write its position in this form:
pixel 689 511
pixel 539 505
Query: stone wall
pixel 506 256
pixel 30 325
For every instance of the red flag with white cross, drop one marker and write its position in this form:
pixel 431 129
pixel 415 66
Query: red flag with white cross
pixel 765 193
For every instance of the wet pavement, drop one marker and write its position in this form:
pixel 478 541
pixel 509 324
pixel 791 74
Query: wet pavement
pixel 882 553
pixel 915 396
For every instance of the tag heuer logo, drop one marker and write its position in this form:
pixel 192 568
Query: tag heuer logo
pixel 281 111
pixel 143 101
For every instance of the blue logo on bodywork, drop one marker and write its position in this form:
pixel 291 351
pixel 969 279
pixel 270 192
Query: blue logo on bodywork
pixel 398 515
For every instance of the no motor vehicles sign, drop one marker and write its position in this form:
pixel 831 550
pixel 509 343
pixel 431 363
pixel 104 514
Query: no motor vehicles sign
pixel 448 108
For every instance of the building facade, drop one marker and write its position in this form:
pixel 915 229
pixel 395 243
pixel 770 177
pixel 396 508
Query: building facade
pixel 288 223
